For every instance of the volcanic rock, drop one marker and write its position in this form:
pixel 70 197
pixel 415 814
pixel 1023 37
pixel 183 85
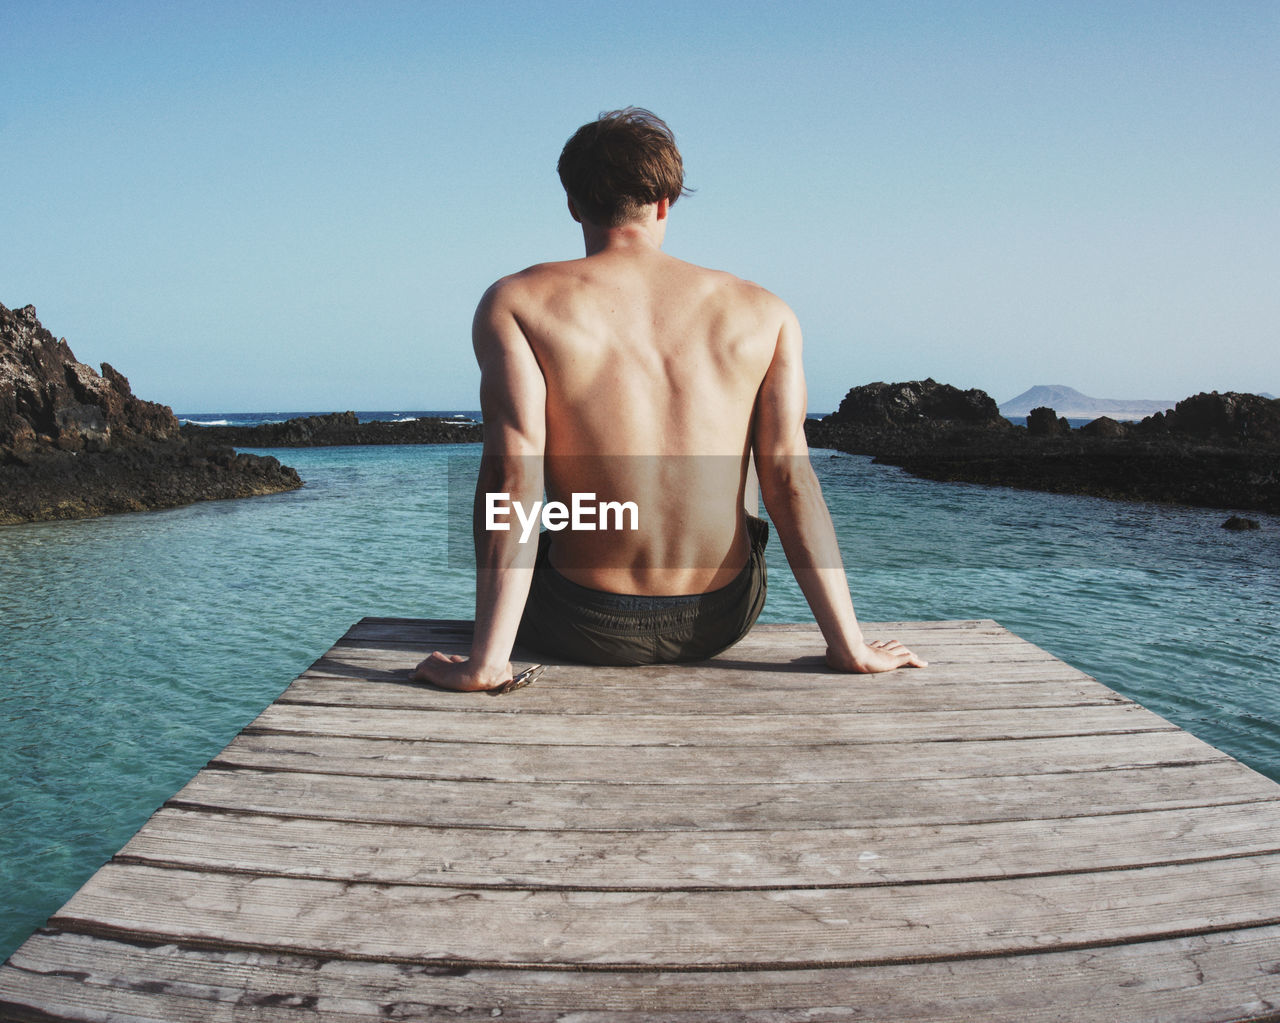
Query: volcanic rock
pixel 1103 426
pixel 1044 422
pixel 1232 417
pixel 919 403
pixel 339 428
pixel 76 443
pixel 904 419
pixel 1210 450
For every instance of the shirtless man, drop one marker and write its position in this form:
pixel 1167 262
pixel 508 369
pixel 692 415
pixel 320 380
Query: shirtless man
pixel 630 375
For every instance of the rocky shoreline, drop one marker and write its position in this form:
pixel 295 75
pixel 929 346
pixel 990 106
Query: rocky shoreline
pixel 1212 450
pixel 75 443
pixel 338 429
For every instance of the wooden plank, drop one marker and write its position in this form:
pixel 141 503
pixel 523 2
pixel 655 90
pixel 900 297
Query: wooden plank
pixel 713 765
pixel 766 635
pixel 954 631
pixel 762 638
pixel 734 929
pixel 901 693
pixel 394 667
pixel 530 858
pixel 396 647
pixel 708 729
pixel 1223 977
pixel 807 659
pixel 641 807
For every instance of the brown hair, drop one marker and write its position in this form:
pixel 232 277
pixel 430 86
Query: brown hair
pixel 623 160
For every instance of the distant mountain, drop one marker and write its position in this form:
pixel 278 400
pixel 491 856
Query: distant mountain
pixel 1067 401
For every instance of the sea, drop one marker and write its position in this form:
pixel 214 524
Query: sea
pixel 134 647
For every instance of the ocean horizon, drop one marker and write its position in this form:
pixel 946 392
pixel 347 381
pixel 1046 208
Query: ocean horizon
pixel 136 646
pixel 464 415
pixel 262 418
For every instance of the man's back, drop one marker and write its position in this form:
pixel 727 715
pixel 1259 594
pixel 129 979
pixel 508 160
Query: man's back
pixel 641 380
pixel 652 367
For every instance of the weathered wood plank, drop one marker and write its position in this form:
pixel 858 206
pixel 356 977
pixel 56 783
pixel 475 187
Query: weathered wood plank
pixel 762 638
pixel 902 693
pixel 806 659
pixel 393 647
pixel 849 926
pixel 640 807
pixel 743 683
pixel 764 635
pixel 708 729
pixel 872 854
pixel 1213 978
pixel 710 765
pixel 394 668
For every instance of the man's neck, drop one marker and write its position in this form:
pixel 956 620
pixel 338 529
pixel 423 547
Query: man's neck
pixel 644 234
pixel 627 238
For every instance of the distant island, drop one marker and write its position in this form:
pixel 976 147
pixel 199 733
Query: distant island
pixel 1071 404
pixel 76 443
pixel 1210 450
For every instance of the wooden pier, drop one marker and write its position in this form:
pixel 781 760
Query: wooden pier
pixel 997 837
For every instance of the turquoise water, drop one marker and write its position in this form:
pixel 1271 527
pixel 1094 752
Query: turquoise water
pixel 133 648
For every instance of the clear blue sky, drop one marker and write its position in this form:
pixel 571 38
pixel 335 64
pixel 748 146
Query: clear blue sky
pixel 295 206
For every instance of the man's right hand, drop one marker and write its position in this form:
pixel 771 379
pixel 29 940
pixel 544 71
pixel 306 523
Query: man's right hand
pixel 459 673
pixel 878 655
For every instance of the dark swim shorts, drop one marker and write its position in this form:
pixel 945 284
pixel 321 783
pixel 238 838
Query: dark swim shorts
pixel 576 623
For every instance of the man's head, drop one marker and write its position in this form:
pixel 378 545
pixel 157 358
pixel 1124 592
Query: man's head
pixel 618 164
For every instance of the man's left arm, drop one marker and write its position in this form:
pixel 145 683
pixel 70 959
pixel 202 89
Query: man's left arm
pixel 513 404
pixel 799 512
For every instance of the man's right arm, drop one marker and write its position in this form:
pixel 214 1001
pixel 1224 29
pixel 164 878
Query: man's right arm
pixel 795 503
pixel 513 405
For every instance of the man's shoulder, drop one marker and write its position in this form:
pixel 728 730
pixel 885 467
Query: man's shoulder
pixel 531 280
pixel 747 295
pixel 724 283
pixel 690 281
